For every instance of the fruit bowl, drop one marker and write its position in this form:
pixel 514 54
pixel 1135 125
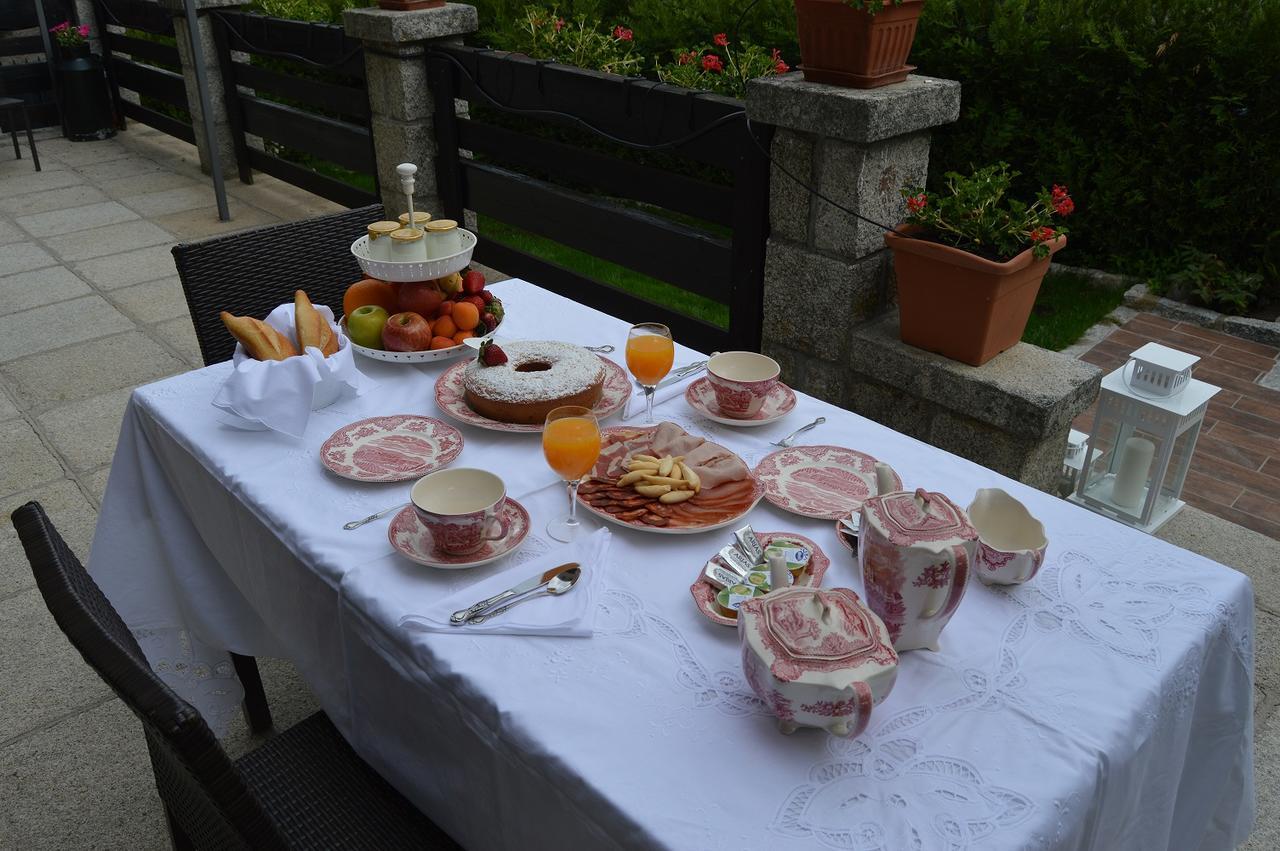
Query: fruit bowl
pixel 425 356
pixel 415 270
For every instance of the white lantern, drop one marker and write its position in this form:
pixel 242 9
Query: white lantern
pixel 1143 437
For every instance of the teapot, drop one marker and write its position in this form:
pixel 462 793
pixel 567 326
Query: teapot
pixel 817 658
pixel 914 551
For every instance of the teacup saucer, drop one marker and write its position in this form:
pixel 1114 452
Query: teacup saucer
pixel 408 535
pixel 777 404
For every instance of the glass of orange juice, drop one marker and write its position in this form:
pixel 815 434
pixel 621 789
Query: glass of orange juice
pixel 571 445
pixel 650 353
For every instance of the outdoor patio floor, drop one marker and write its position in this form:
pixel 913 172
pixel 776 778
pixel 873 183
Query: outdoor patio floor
pixel 90 307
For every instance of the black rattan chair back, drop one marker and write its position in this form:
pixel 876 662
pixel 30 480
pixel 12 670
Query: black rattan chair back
pixel 200 787
pixel 252 272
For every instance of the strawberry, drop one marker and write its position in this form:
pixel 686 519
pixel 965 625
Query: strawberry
pixel 491 355
pixel 487 296
pixel 477 301
pixel 473 282
pixel 490 321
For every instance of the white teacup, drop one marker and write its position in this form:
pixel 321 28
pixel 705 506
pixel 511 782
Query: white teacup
pixel 741 381
pixel 1011 543
pixel 460 507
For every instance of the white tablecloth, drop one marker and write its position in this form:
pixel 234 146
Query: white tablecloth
pixel 1106 704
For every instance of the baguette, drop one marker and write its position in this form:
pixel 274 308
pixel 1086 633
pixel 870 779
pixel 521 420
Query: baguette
pixel 259 339
pixel 312 328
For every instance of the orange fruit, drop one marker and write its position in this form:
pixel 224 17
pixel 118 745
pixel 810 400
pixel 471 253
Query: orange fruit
pixel 371 291
pixel 465 315
pixel 462 335
pixel 442 343
pixel 445 327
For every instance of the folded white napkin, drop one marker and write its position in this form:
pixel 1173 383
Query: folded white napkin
pixel 569 614
pixel 282 394
pixel 635 402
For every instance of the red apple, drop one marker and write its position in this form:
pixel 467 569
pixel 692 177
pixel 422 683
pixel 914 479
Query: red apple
pixel 406 332
pixel 420 297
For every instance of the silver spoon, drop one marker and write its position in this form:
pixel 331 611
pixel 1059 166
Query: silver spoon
pixel 561 583
pixel 786 442
pixel 356 524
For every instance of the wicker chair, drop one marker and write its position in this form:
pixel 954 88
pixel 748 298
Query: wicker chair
pixel 304 788
pixel 251 272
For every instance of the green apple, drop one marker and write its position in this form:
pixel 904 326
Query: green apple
pixel 364 326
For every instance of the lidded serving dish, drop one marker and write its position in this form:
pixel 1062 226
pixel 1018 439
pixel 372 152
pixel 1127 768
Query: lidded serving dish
pixel 817 658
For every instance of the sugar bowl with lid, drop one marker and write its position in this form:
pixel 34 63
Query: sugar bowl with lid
pixel 816 657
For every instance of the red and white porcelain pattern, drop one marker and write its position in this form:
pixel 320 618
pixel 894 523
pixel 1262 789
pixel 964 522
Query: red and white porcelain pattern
pixel 704 593
pixel 413 540
pixel 826 482
pixel 779 402
pixel 390 449
pixel 451 397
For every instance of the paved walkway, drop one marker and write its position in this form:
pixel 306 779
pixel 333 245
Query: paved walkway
pixel 1235 472
pixel 89 308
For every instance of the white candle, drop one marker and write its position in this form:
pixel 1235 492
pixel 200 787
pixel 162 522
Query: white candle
pixel 1131 478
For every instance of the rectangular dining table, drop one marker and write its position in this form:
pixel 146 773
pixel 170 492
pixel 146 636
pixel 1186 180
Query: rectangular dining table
pixel 1107 703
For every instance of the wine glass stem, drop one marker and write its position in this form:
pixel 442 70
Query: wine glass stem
pixel 573 501
pixel 648 402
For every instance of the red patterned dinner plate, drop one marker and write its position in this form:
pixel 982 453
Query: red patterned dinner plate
pixel 704 593
pixel 413 540
pixel 826 482
pixel 451 397
pixel 390 449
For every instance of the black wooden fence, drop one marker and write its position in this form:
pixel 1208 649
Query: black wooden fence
pixel 308 95
pixel 28 81
pixel 141 56
pixel 599 197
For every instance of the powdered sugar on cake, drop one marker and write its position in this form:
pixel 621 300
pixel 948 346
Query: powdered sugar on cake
pixel 569 369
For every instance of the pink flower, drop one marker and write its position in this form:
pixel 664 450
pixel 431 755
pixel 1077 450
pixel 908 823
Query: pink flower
pixel 684 58
pixel 559 24
pixel 62 27
pixel 621 33
pixel 712 63
pixel 721 40
pixel 84 30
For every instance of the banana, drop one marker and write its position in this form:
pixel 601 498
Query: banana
pixel 653 490
pixel 675 496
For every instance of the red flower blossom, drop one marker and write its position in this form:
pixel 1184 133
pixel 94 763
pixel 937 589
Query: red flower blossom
pixel 622 33
pixel 1063 206
pixel 721 40
pixel 1058 192
pixel 916 203
pixel 60 27
pixel 83 29
pixel 712 63
pixel 1042 234
pixel 559 24
pixel 781 67
pixel 684 58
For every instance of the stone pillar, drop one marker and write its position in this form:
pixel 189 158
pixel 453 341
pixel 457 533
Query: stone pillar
pixel 224 141
pixel 828 289
pixel 395 46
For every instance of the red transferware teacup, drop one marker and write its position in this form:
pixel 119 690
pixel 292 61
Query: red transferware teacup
pixel 460 508
pixel 741 381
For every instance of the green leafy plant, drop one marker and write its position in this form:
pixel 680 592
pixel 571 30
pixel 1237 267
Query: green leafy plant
pixel 1208 279
pixel 871 7
pixel 975 214
pixel 546 34
pixel 720 67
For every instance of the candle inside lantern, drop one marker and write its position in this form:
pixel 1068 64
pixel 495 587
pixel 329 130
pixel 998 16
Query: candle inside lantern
pixel 1131 478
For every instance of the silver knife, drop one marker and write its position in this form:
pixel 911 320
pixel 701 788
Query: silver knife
pixel 460 617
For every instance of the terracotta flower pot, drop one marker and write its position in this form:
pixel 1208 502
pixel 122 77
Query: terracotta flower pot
pixel 961 305
pixel 844 46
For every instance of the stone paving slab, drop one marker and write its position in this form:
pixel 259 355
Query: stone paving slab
pixel 107 240
pixel 153 301
pixel 89 369
pixel 9 232
pixel 180 334
pixel 124 188
pixel 39 287
pixel 54 199
pixel 27 461
pixel 70 511
pixel 73 219
pixel 128 267
pixel 175 200
pixel 55 325
pixel 22 256
pixel 42 181
pixel 85 432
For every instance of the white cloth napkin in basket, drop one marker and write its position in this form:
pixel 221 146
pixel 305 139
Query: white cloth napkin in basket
pixel 282 394
pixel 569 614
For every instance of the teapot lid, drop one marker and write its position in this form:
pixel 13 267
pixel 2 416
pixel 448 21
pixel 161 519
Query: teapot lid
pixel 913 518
pixel 808 629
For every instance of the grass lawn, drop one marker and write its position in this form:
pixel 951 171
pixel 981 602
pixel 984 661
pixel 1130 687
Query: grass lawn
pixel 1068 305
pixel 602 270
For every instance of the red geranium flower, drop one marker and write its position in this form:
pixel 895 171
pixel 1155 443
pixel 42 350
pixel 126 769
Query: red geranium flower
pixel 1042 234
pixel 1058 192
pixel 721 40
pixel 712 63
pixel 781 67
pixel 1063 206
pixel 684 58
pixel 622 33
pixel 559 24
pixel 916 203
